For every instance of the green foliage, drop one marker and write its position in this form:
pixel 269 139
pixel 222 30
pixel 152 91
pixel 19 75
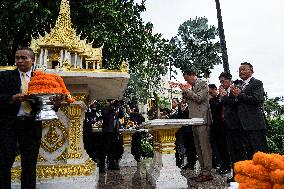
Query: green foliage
pixel 275 136
pixel 196 46
pixel 147 148
pixel 158 103
pixel 274 109
pixel 115 24
pixel 19 20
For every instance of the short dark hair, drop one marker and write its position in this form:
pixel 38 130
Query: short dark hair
pixel 212 86
pixel 28 49
pixel 248 64
pixel 189 72
pixel 226 75
pixel 176 99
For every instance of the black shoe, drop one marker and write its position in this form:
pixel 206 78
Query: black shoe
pixel 232 179
pixel 203 178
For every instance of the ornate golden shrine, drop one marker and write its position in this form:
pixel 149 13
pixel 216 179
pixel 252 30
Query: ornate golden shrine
pixel 61 51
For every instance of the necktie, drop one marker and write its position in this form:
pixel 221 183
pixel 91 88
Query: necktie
pixel 243 86
pixel 25 105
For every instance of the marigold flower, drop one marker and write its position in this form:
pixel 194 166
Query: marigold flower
pixel 277 176
pixel 48 83
pixel 269 161
pixel 248 168
pixel 278 186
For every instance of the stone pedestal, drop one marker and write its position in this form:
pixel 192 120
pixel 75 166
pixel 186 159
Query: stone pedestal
pixel 163 172
pixel 62 162
pixel 127 159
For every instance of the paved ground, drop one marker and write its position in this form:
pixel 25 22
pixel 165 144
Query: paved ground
pixel 131 178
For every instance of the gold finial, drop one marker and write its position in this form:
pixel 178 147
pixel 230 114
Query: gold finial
pixel 62 35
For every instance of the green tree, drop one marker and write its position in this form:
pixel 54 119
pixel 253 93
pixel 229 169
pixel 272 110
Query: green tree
pixel 196 46
pixel 19 20
pixel 115 24
pixel 274 110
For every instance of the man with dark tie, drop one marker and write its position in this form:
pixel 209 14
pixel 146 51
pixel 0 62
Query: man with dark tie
pixel 220 153
pixel 234 133
pixel 250 98
pixel 17 122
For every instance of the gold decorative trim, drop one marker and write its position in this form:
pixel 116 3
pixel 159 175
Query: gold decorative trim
pixel 164 140
pixel 80 97
pixel 65 156
pixel 7 67
pixel 52 171
pixel 51 141
pixel 127 138
pixel 18 158
pixel 40 158
pixel 75 131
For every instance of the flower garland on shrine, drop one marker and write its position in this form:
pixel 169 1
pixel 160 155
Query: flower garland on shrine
pixel 264 171
pixel 48 83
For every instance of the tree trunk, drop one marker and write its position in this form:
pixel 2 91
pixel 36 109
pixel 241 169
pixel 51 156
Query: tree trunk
pixel 222 38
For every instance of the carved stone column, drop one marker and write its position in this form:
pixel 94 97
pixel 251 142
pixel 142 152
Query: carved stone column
pixel 63 163
pixel 127 159
pixel 163 172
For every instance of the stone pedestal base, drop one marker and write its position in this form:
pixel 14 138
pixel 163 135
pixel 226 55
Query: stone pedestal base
pixel 164 173
pixel 127 159
pixel 86 182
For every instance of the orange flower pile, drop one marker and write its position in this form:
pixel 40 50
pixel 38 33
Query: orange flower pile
pixel 264 171
pixel 48 83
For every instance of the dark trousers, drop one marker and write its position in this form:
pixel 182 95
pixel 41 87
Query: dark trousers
pixel 185 146
pixel 255 141
pixel 236 146
pixel 108 149
pixel 27 134
pixel 219 147
pixel 89 140
pixel 188 142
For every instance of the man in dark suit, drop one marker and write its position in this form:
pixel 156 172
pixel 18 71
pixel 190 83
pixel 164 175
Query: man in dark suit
pixel 234 133
pixel 250 98
pixel 110 135
pixel 17 125
pixel 17 122
pixel 220 153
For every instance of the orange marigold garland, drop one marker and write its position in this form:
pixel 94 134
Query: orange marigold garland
pixel 277 176
pixel 248 168
pixel 247 182
pixel 48 83
pixel 264 171
pixel 278 186
pixel 269 161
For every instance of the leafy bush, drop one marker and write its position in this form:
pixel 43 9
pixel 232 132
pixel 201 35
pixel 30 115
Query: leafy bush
pixel 275 136
pixel 274 111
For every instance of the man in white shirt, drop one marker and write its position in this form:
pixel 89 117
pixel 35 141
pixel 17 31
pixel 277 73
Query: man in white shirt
pixel 250 98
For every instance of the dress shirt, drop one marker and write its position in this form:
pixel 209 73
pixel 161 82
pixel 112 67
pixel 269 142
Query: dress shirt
pixel 246 82
pixel 28 77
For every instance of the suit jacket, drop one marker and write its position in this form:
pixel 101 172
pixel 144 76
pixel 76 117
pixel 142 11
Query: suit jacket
pixel 250 102
pixel 10 84
pixel 216 112
pixel 198 103
pixel 111 116
pixel 230 110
